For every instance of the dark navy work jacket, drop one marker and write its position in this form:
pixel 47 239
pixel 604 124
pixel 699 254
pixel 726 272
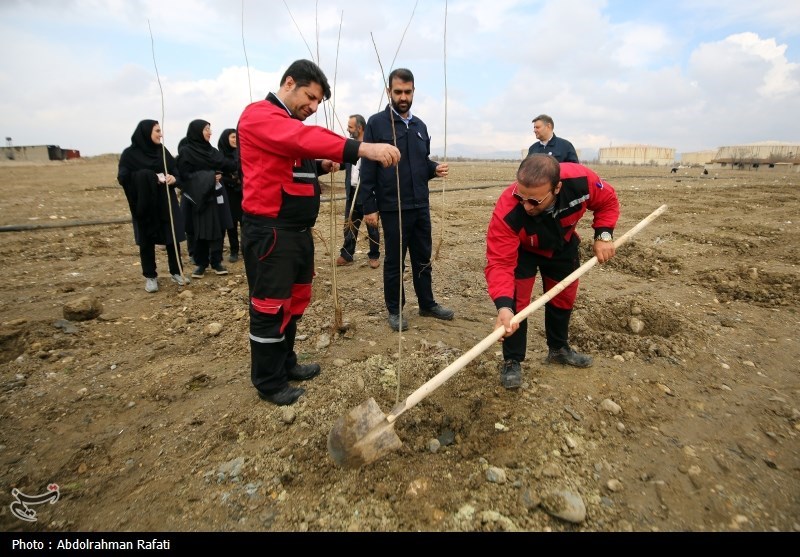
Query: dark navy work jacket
pixel 378 190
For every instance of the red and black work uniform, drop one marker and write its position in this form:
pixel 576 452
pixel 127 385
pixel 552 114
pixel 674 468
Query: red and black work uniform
pixel 518 245
pixel 281 198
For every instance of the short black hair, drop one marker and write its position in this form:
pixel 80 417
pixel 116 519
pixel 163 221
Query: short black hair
pixel 537 168
pixel 306 72
pixel 402 74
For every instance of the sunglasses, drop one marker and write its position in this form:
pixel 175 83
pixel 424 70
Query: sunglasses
pixel 532 201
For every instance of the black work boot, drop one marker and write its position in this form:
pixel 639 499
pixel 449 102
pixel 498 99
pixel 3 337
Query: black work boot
pixel 286 396
pixel 568 357
pixel 394 322
pixel 511 374
pixel 438 311
pixel 303 372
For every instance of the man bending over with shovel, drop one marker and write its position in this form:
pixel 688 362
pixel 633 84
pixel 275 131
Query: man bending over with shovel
pixel 533 230
pixel 281 160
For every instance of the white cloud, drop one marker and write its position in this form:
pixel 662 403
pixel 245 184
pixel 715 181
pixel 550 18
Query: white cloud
pixel 82 73
pixel 781 78
pixel 640 45
pixel 745 66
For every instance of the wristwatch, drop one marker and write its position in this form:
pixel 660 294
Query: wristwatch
pixel 605 237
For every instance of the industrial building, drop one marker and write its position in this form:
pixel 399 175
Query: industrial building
pixel 697 158
pixel 637 155
pixel 38 153
pixel 767 155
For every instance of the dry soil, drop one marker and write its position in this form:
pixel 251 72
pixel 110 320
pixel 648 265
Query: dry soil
pixel 146 419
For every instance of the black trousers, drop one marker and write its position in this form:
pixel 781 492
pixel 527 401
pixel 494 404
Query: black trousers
pixel 188 224
pixel 416 241
pixel 208 250
pixel 280 267
pixel 147 256
pixel 557 311
pixel 351 234
pixel 235 200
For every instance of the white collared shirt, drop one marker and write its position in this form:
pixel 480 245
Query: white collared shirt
pixel 355 174
pixel 405 120
pixel 283 105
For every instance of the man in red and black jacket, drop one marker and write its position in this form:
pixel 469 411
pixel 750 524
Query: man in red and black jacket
pixel 281 159
pixel 533 230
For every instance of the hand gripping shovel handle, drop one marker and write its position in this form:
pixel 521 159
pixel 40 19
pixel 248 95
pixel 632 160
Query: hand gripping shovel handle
pixel 437 380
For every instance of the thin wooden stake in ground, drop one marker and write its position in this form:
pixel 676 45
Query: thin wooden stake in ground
pixel 247 63
pixel 338 322
pixel 399 224
pixel 398 48
pixel 444 180
pixel 164 155
pixel 300 32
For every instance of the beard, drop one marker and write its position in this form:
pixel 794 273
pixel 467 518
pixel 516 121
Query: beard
pixel 406 106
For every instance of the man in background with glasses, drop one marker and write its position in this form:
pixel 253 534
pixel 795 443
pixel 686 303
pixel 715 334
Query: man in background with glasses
pixel 533 229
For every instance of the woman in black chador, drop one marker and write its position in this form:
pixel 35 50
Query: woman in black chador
pixel 201 167
pixel 149 175
pixel 233 185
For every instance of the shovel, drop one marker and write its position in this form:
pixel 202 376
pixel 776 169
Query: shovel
pixel 365 434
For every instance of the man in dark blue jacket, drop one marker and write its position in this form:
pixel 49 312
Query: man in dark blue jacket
pixel 379 193
pixel 557 147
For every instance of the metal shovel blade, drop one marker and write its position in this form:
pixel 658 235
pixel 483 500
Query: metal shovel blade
pixel 362 436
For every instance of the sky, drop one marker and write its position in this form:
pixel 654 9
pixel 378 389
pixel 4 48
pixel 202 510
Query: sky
pixel 689 75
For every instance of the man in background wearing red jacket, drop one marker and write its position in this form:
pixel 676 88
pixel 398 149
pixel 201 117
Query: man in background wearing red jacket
pixel 281 160
pixel 533 230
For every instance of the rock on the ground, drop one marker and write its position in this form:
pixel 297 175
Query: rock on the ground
pixel 551 470
pixel 324 341
pixel 566 505
pixel 636 325
pixel 288 416
pixel 529 499
pixel 496 475
pixel 498 521
pixel 84 308
pixel 610 406
pixel 232 468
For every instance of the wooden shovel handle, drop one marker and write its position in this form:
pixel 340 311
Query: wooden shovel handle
pixel 437 380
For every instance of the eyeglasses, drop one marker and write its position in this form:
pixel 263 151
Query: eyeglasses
pixel 532 201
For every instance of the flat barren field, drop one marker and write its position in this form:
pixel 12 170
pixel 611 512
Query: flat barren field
pixel 144 415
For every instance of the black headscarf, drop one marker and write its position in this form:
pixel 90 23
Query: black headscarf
pixel 224 144
pixel 230 178
pixel 143 153
pixel 148 202
pixel 198 154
